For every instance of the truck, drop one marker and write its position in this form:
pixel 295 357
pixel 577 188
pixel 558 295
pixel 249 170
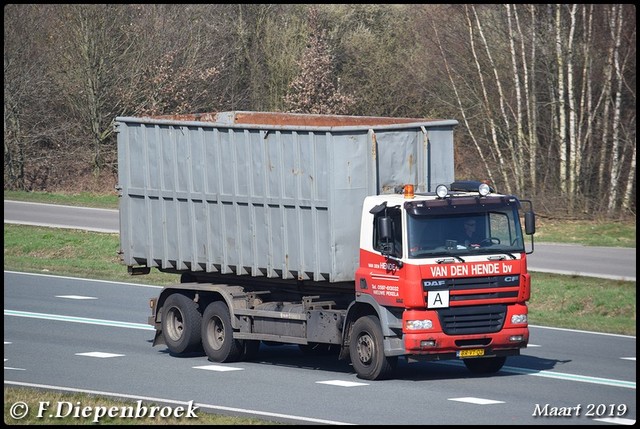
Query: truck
pixel 335 233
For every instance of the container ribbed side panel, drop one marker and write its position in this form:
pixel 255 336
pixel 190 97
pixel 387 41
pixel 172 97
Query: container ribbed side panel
pixel 227 200
pixel 263 201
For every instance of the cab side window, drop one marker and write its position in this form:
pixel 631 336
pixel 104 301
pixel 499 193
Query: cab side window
pixel 393 246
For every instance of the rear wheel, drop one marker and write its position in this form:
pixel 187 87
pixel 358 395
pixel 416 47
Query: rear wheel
pixel 366 350
pixel 217 334
pixel 485 365
pixel 181 323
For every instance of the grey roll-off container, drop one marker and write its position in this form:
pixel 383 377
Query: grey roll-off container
pixel 267 195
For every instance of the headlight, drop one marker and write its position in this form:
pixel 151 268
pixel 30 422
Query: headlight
pixel 518 319
pixel 416 325
pixel 484 189
pixel 441 191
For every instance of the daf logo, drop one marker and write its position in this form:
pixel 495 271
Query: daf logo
pixel 434 283
pixel 510 279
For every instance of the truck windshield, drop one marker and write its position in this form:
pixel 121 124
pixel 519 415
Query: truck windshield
pixel 495 230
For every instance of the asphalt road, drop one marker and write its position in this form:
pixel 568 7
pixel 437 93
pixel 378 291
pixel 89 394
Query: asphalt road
pixel 604 262
pixel 91 336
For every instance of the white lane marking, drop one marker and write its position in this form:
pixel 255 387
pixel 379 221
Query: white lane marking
pixel 533 345
pixel 73 319
pixel 218 368
pixel 479 401
pixel 616 420
pixel 14 369
pixel 61 226
pixel 7 342
pixel 75 297
pixel 557 375
pixel 99 354
pixel 629 358
pixel 80 279
pixel 342 383
pixel 582 332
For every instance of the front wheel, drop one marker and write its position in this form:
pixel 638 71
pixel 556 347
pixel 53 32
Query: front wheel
pixel 366 350
pixel 217 334
pixel 181 322
pixel 485 365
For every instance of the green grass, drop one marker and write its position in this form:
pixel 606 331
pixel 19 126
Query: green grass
pixel 584 303
pixel 74 253
pixel 607 234
pixel 83 199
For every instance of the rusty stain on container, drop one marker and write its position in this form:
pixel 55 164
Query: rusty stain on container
pixel 275 118
pixel 411 163
pixel 200 117
pixel 374 146
pixel 293 119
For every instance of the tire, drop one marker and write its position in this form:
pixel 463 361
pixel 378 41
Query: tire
pixel 181 324
pixel 485 365
pixel 366 350
pixel 217 334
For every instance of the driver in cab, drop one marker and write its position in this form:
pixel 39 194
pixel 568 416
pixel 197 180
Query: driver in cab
pixel 469 237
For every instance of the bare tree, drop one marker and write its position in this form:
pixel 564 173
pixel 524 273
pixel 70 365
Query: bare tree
pixel 19 79
pixel 461 107
pixel 545 93
pixel 573 144
pixel 616 166
pixel 313 90
pixel 519 144
pixel 32 130
pixel 627 200
pixel 89 45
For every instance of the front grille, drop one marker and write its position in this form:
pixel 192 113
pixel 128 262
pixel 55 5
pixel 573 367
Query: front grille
pixel 475 288
pixel 479 319
pixel 488 295
pixel 470 283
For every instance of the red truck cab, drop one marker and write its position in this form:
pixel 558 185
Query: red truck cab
pixel 459 295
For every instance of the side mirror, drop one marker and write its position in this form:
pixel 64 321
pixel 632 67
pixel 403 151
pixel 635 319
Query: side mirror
pixel 530 223
pixel 385 228
pixel 385 232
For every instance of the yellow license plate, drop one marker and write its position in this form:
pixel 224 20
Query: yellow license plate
pixel 470 353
